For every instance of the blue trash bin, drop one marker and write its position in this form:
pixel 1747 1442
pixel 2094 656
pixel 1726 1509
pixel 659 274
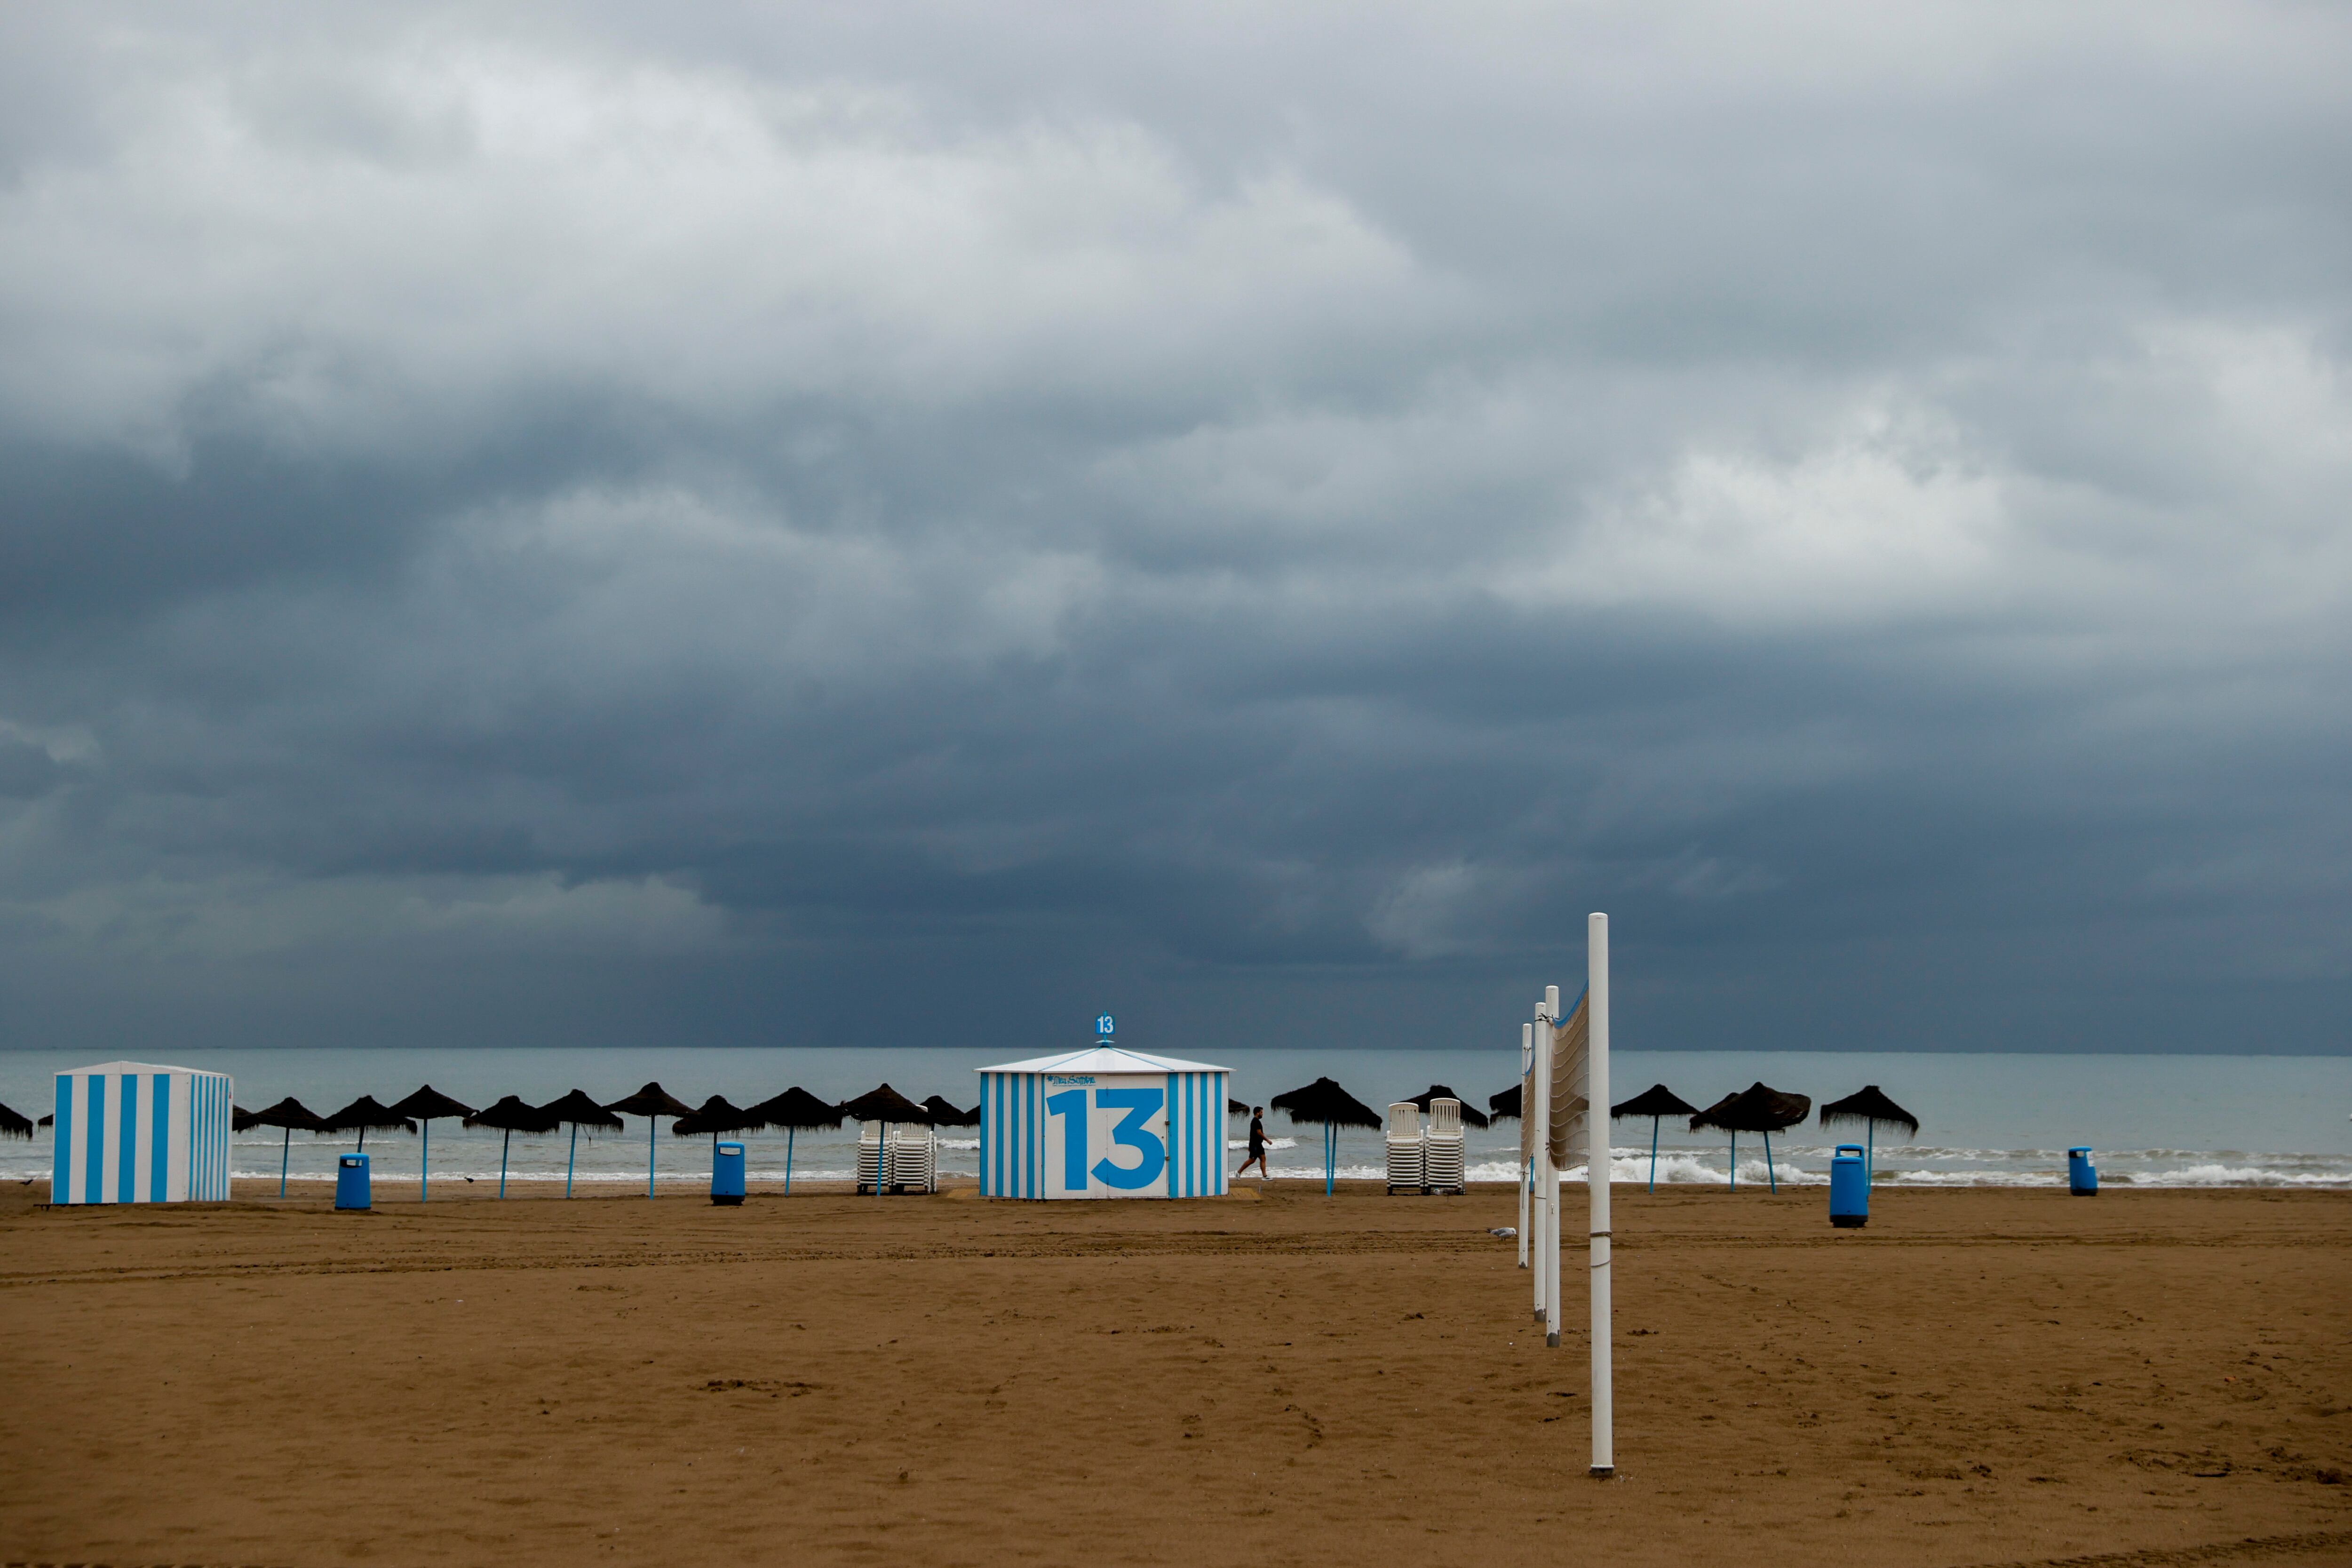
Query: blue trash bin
pixel 2082 1176
pixel 727 1174
pixel 352 1183
pixel 1849 1188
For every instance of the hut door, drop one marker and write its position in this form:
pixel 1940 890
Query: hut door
pixel 1105 1137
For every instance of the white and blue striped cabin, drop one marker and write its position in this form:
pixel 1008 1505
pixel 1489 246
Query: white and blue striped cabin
pixel 1102 1123
pixel 132 1132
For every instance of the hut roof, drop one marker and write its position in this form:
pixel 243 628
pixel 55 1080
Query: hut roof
pixel 1655 1101
pixel 1324 1100
pixel 884 1104
pixel 1506 1105
pixel 428 1102
pixel 364 1114
pixel 717 1114
pixel 796 1107
pixel 289 1113
pixel 1870 1105
pixel 946 1115
pixel 653 1100
pixel 1756 1109
pixel 512 1113
pixel 1471 1114
pixel 1105 1058
pixel 577 1110
pixel 13 1125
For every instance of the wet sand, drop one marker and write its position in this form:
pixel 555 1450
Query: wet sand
pixel 1979 1377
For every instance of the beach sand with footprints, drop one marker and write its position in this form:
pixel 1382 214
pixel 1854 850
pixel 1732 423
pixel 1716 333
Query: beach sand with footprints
pixel 2144 1378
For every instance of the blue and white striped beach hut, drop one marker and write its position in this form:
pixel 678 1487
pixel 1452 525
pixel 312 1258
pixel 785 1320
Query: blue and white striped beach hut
pixel 132 1132
pixel 1102 1123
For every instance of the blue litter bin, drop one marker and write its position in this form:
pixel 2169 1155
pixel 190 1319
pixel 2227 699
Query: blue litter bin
pixel 2082 1176
pixel 352 1183
pixel 727 1174
pixel 1849 1188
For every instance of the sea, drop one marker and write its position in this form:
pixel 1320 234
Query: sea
pixel 1986 1121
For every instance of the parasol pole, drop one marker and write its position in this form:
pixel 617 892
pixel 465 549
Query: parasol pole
pixel 652 1125
pixel 425 1166
pixel 1596 1173
pixel 788 1159
pixel 504 1144
pixel 1735 1159
pixel 1767 1163
pixel 1654 1152
pixel 571 1158
pixel 285 1157
pixel 1869 1149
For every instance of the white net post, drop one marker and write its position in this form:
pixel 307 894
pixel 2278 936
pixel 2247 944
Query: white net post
pixel 1540 1211
pixel 1547 1020
pixel 1527 1165
pixel 1596 1164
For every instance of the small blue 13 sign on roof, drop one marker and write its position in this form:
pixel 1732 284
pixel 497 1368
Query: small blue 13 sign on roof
pixel 1103 1026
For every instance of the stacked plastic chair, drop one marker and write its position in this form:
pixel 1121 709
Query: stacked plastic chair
pixel 1404 1147
pixel 914 1159
pixel 1441 1148
pixel 869 1156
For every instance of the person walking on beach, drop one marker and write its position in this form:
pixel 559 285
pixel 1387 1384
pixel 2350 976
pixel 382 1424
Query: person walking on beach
pixel 1256 1145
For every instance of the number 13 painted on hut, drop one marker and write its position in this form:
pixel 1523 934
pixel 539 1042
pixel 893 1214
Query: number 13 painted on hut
pixel 1141 1121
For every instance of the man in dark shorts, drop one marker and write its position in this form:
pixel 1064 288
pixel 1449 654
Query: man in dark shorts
pixel 1256 1145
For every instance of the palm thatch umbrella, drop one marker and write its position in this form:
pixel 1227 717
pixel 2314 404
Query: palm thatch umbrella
pixel 576 1110
pixel 240 1119
pixel 652 1103
pixel 946 1115
pixel 1325 1102
pixel 1471 1116
pixel 1506 1105
pixel 794 1109
pixel 1655 1101
pixel 1756 1109
pixel 1236 1108
pixel 885 1105
pixel 716 1115
pixel 13 1125
pixel 1872 1108
pixel 295 1117
pixel 364 1113
pixel 425 1104
pixel 511 1115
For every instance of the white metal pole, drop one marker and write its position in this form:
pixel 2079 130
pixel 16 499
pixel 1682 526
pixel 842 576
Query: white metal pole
pixel 1542 1167
pixel 1605 1437
pixel 1526 1166
pixel 1547 1021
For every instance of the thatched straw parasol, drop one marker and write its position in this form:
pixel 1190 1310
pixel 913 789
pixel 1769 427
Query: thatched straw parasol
pixel 652 1103
pixel 1505 1107
pixel 576 1111
pixel 511 1115
pixel 295 1117
pixel 1325 1102
pixel 946 1115
pixel 13 1125
pixel 794 1109
pixel 1471 1115
pixel 1874 1109
pixel 1756 1109
pixel 1655 1101
pixel 239 1118
pixel 364 1114
pixel 425 1104
pixel 716 1115
pixel 885 1105
pixel 1236 1108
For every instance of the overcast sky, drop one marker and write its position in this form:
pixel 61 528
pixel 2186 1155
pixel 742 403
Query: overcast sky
pixel 889 525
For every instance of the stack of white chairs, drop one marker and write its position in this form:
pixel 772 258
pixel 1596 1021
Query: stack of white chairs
pixel 913 1161
pixel 1405 1147
pixel 1441 1157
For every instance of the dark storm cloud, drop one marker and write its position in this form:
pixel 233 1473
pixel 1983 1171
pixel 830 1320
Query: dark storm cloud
pixel 724 528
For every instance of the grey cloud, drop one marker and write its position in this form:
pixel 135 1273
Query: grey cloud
pixel 626 528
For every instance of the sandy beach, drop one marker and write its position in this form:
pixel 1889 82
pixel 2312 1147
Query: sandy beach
pixel 1979 1377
